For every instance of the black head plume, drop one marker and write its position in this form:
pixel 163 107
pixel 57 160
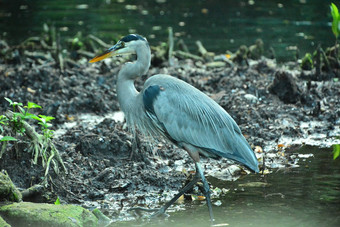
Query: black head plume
pixel 132 37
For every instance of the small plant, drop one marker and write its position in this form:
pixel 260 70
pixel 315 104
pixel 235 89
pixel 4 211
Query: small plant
pixel 336 151
pixel 336 20
pixel 57 202
pixel 307 62
pixel 41 146
pixel 335 26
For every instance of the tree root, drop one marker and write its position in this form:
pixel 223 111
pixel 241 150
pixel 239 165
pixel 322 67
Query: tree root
pixel 41 147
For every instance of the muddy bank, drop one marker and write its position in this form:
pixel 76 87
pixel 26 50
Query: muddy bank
pixel 275 105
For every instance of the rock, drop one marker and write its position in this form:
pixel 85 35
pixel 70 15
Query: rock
pixel 251 98
pixel 284 86
pixel 43 214
pixel 102 219
pixel 3 223
pixel 8 191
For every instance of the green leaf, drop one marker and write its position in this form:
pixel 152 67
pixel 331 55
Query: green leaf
pixel 336 151
pixel 33 116
pixel 3 119
pixel 31 105
pixel 57 202
pixel 21 109
pixel 334 11
pixel 335 23
pixel 45 125
pixel 10 101
pixel 8 138
pixel 46 118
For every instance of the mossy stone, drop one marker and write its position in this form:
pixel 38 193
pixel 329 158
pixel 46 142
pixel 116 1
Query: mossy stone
pixel 3 223
pixel 8 191
pixel 42 214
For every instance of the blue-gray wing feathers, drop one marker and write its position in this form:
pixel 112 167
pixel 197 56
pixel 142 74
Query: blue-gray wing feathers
pixel 187 115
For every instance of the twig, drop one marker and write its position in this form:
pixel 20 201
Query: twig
pixel 318 62
pixel 171 46
pixel 182 54
pixel 208 56
pixel 54 37
pixel 181 44
pixel 201 48
pixel 99 41
pixel 85 53
pixel 328 67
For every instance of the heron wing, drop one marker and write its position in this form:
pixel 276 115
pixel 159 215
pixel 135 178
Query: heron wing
pixel 187 115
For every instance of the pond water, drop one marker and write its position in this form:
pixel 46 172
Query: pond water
pixel 220 24
pixel 305 196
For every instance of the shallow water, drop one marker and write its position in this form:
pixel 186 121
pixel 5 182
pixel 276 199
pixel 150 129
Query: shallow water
pixel 305 196
pixel 220 24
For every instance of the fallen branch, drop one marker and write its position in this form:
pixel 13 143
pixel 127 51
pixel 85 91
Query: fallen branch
pixel 32 191
pixel 185 55
pixel 171 46
pixel 99 41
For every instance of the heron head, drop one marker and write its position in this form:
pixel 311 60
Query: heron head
pixel 126 45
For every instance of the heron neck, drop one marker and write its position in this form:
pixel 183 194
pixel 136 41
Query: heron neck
pixel 126 91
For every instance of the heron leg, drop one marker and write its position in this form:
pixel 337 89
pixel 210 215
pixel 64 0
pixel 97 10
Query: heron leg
pixel 206 190
pixel 162 210
pixel 198 176
pixel 135 147
pixel 186 188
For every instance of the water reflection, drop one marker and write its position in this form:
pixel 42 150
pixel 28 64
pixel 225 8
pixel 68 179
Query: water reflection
pixel 304 196
pixel 219 24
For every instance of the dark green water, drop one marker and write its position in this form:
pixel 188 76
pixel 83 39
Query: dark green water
pixel 304 196
pixel 220 24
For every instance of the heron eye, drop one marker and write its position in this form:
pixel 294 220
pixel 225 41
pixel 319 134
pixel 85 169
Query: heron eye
pixel 122 44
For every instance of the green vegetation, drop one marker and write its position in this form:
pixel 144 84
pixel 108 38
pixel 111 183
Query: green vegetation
pixel 57 202
pixel 336 20
pixel 336 151
pixel 324 60
pixel 335 26
pixel 15 124
pixel 307 62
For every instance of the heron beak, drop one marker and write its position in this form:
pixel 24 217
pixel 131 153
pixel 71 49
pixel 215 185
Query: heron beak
pixel 113 51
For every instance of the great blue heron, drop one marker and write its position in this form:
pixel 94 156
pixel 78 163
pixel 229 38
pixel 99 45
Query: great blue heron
pixel 173 109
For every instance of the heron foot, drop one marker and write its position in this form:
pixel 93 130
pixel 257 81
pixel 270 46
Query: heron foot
pixel 159 213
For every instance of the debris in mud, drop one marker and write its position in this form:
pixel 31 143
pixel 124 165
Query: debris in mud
pixel 284 86
pixel 272 103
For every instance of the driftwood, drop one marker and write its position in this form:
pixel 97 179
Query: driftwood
pixel 171 46
pixel 99 41
pixel 185 55
pixel 33 191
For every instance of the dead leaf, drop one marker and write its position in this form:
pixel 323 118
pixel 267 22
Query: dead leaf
pixel 258 149
pixel 30 90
